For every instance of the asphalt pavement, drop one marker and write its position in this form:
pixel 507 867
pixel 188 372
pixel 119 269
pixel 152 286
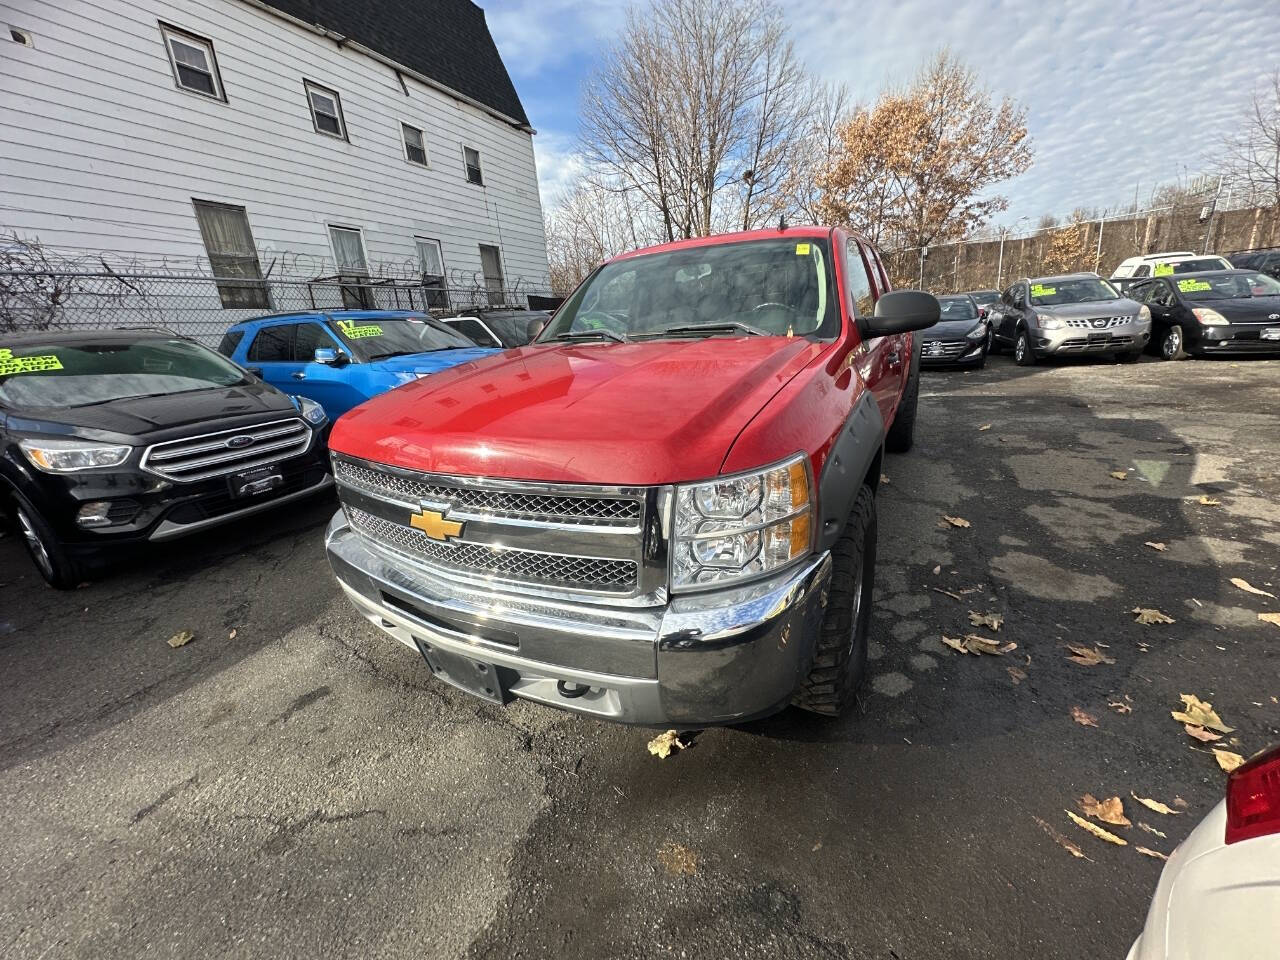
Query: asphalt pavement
pixel 291 783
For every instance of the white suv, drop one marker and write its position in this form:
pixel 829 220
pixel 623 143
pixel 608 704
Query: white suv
pixel 1175 261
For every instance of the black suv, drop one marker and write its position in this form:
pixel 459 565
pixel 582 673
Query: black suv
pixel 116 438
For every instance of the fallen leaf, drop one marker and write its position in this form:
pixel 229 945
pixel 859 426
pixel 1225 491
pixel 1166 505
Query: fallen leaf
pixel 816 847
pixel 1147 851
pixel 1200 733
pixel 1096 830
pixel 1150 829
pixel 1209 502
pixel 1160 547
pixel 1249 588
pixel 678 859
pixel 977 644
pixel 1016 674
pixel 985 426
pixel 662 745
pixel 1200 713
pixel 954 596
pixel 1149 615
pixel 181 638
pixel 1119 475
pixel 1082 718
pixel 1154 805
pixel 937 569
pixel 1227 760
pixel 1087 656
pixel 232 634
pixel 954 644
pixel 991 621
pixel 1063 842
pixel 1110 810
pixel 956 521
pixel 1121 706
pixel 884 478
pixel 1270 618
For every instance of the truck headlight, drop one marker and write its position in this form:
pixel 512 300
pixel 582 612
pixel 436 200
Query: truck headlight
pixel 1049 323
pixel 311 411
pixel 734 528
pixel 68 456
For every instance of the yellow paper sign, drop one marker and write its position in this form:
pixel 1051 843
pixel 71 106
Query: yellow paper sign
pixel 353 332
pixel 802 249
pixel 1038 290
pixel 1194 286
pixel 1162 270
pixel 9 364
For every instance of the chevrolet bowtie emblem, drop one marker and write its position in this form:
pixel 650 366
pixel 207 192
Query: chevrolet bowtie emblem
pixel 434 525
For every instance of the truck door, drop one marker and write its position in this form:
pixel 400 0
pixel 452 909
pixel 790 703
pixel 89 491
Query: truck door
pixel 882 364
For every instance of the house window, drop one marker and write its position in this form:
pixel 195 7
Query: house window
pixel 326 110
pixel 431 266
pixel 415 147
pixel 471 158
pixel 353 267
pixel 232 255
pixel 194 65
pixel 491 267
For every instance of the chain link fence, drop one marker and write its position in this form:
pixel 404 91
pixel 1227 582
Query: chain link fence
pixel 203 307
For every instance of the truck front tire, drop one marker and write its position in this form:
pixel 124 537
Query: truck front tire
pixel 840 655
pixel 902 433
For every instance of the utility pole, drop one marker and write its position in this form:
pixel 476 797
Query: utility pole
pixel 1000 262
pixel 1097 257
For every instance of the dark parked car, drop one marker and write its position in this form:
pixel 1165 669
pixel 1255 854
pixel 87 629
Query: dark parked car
pixel 1218 311
pixel 1067 315
pixel 112 439
pixel 1265 260
pixel 960 337
pixel 500 328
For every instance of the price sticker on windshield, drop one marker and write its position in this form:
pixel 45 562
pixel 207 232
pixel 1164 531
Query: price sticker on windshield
pixel 1037 290
pixel 1194 286
pixel 802 249
pixel 353 332
pixel 9 364
pixel 1162 270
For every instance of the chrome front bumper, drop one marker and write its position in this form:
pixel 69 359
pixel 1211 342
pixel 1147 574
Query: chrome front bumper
pixel 708 658
pixel 1072 340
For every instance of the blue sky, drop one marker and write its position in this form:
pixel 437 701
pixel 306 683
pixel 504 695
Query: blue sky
pixel 1117 94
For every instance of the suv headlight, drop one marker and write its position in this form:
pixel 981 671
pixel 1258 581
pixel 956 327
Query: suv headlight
pixel 68 456
pixel 311 411
pixel 1210 318
pixel 1144 314
pixel 1048 322
pixel 734 528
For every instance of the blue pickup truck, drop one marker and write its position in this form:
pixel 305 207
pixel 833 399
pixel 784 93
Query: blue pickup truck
pixel 341 358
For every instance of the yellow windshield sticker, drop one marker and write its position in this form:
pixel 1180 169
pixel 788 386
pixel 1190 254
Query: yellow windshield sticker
pixel 1194 286
pixel 802 249
pixel 353 332
pixel 1039 290
pixel 1162 270
pixel 9 364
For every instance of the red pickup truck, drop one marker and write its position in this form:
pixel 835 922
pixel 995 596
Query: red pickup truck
pixel 660 512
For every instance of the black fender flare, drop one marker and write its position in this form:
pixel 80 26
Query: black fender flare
pixel 858 447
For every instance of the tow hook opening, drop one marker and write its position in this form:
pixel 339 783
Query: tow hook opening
pixel 570 690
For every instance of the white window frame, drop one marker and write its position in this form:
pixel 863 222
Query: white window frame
pixel 466 167
pixel 439 250
pixel 405 127
pixel 308 86
pixel 330 226
pixel 170 33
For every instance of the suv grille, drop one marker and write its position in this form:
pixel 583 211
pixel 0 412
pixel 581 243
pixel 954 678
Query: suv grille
pixel 215 455
pixel 507 563
pixel 1097 323
pixel 597 511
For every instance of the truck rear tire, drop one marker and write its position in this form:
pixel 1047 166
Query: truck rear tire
pixel 840 655
pixel 903 432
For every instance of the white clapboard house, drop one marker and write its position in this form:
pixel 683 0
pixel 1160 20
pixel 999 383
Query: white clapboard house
pixel 300 138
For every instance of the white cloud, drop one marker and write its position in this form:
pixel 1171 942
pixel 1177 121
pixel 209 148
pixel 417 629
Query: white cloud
pixel 559 164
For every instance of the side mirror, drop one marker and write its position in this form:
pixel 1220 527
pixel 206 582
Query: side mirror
pixel 903 310
pixel 330 356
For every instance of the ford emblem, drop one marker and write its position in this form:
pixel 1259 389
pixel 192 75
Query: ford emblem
pixel 239 442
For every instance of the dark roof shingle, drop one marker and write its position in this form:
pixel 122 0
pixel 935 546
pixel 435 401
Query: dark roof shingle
pixel 445 40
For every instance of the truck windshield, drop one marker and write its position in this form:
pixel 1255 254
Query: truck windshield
pixel 774 287
pixel 1056 293
pixel 59 373
pixel 376 338
pixel 1231 286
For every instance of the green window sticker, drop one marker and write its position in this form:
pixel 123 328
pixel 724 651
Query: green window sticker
pixel 1038 290
pixel 353 332
pixel 9 364
pixel 1194 286
pixel 1162 270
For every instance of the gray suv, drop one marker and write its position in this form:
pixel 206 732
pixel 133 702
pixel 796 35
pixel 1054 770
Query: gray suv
pixel 1074 313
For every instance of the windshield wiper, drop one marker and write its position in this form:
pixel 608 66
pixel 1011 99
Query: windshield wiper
pixel 394 353
pixel 600 334
pixel 727 326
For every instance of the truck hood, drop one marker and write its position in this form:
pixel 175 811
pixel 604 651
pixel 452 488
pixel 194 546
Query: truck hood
pixel 653 412
pixel 431 362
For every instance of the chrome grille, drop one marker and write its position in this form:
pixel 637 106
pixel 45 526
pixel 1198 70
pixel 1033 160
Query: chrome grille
pixel 945 349
pixel 1079 344
pixel 225 452
pixel 506 563
pixel 1096 323
pixel 596 511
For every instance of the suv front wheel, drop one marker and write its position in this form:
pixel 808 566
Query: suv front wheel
pixel 43 546
pixel 840 656
pixel 1023 354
